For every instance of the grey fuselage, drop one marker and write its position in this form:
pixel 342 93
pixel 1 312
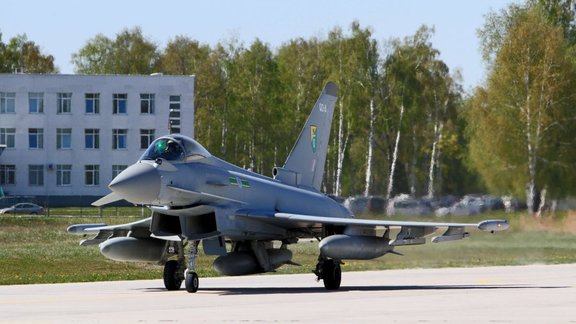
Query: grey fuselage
pixel 225 189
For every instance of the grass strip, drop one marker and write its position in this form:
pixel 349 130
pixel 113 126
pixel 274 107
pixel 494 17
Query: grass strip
pixel 38 250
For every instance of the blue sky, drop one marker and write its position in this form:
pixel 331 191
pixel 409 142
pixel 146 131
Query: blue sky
pixel 62 27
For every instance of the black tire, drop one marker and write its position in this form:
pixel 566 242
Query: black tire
pixel 172 279
pixel 331 274
pixel 192 282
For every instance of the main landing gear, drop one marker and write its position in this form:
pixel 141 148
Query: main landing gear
pixel 173 276
pixel 329 271
pixel 175 272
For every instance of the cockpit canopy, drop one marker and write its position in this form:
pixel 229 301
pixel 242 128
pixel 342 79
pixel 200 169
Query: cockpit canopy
pixel 175 148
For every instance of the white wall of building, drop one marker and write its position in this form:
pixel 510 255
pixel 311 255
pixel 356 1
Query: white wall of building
pixel 78 120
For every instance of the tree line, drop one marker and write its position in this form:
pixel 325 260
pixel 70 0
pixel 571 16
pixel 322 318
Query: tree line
pixel 396 126
pixel 402 122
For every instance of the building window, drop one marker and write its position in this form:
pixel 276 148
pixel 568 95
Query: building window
pixel 8 137
pixel 35 102
pixel 92 103
pixel 92 138
pixel 119 103
pixel 35 138
pixel 146 138
pixel 64 103
pixel 147 103
pixel 92 175
pixel 7 174
pixel 63 175
pixel 36 175
pixel 116 169
pixel 119 137
pixel 7 102
pixel 174 115
pixel 64 138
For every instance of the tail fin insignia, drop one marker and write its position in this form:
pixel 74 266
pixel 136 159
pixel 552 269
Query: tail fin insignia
pixel 313 138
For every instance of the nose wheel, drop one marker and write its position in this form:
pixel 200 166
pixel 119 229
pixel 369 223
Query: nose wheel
pixel 192 282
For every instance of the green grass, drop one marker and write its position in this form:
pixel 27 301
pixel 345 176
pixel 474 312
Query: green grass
pixel 38 249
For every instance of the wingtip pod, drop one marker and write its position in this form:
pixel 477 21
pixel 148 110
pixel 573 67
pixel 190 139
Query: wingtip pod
pixel 331 89
pixel 494 225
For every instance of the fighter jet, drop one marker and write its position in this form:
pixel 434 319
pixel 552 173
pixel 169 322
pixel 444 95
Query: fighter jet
pixel 246 219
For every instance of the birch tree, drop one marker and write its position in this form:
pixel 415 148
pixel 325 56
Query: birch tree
pixel 370 151
pixel 521 123
pixel 443 93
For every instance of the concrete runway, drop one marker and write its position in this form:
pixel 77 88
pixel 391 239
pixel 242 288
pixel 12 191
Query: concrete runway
pixel 522 294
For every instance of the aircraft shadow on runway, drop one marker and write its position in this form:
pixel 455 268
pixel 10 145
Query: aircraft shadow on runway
pixel 320 290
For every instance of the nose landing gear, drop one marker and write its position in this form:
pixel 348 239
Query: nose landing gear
pixel 175 270
pixel 192 282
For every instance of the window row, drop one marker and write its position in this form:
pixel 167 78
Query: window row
pixel 91 103
pixel 36 174
pixel 64 138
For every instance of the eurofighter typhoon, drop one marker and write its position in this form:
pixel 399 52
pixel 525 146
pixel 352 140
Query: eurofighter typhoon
pixel 239 215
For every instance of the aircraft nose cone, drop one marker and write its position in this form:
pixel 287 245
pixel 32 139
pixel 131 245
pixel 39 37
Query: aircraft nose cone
pixel 138 184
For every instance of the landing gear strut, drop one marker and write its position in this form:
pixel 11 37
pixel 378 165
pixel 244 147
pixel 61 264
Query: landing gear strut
pixel 329 271
pixel 192 281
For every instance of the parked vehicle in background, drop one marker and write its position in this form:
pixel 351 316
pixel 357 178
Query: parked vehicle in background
pixel 8 201
pixel 363 205
pixel 468 205
pixel 493 203
pixel 512 204
pixel 442 201
pixel 405 205
pixel 376 204
pixel 356 204
pixel 472 205
pixel 23 208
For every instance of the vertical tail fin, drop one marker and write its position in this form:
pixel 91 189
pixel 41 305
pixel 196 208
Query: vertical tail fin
pixel 304 166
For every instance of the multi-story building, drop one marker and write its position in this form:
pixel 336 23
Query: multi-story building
pixel 63 138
